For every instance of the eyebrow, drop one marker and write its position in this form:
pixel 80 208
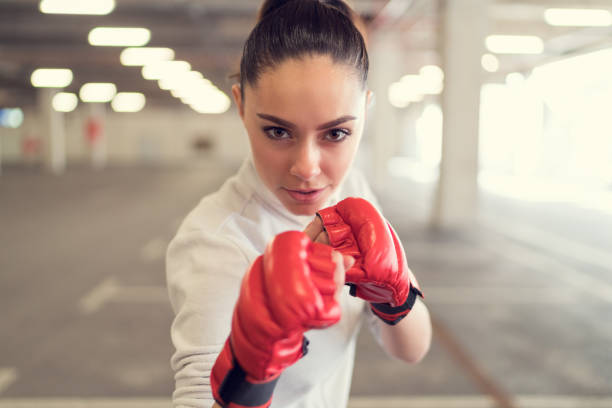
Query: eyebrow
pixel 290 125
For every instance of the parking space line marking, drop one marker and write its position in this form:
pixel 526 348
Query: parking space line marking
pixel 8 375
pixel 482 380
pixel 99 295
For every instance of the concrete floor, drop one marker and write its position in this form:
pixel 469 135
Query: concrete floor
pixel 521 302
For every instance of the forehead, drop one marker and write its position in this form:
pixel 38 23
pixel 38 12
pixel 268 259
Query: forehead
pixel 311 85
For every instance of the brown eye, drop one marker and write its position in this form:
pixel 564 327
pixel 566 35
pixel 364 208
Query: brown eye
pixel 276 133
pixel 337 135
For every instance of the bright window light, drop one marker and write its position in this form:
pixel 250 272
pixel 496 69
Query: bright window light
pixel 97 92
pixel 139 56
pixel 515 78
pixel 432 79
pixel 128 102
pixel 515 44
pixel 165 69
pixel 93 7
pixel 51 77
pixel 119 36
pixel 11 117
pixel 64 102
pixel 489 63
pixel 578 17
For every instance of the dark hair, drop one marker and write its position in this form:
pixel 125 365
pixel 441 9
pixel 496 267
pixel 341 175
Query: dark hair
pixel 295 28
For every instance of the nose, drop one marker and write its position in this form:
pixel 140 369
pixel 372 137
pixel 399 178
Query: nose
pixel 306 162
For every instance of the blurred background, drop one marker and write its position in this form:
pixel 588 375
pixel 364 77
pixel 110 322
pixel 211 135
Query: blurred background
pixel 489 145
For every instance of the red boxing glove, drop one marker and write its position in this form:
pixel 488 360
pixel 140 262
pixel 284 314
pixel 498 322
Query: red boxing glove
pixel 380 274
pixel 286 291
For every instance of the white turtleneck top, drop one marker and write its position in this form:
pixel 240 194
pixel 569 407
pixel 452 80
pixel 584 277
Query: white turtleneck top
pixel 205 262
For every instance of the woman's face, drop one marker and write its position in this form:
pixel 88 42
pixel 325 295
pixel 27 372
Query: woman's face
pixel 304 119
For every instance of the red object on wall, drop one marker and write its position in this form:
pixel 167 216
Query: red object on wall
pixel 93 130
pixel 30 146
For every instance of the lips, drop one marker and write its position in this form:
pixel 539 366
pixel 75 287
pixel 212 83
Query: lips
pixel 305 196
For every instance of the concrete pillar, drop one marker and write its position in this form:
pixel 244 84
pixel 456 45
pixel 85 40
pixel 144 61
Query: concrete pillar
pixel 385 54
pixel 463 32
pixel 53 132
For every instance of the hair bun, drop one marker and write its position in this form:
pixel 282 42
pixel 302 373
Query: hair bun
pixel 269 6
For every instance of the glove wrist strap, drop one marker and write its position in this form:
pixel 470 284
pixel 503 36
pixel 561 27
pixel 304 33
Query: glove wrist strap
pixel 237 391
pixel 393 315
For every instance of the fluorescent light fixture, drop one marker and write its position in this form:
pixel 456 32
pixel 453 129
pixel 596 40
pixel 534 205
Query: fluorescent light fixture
pixel 578 17
pixel 51 77
pixel 64 102
pixel 93 7
pixel 11 117
pixel 199 90
pixel 213 101
pixel 139 56
pixel 128 102
pixel 119 36
pixel 515 44
pixel 97 92
pixel 489 63
pixel 185 81
pixel 165 69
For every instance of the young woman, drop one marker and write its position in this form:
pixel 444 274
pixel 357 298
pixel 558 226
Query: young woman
pixel 257 271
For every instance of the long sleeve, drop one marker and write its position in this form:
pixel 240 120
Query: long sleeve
pixel 203 276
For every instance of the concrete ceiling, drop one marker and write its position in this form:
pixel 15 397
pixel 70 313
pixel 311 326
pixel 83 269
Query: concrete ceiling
pixel 209 34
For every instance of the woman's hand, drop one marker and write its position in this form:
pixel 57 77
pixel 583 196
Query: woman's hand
pixel 287 291
pixel 381 274
pixel 317 233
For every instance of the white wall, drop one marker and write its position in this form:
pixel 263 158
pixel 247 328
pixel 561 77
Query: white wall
pixel 152 135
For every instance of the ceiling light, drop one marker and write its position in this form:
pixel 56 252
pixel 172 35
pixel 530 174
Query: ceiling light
pixel 184 81
pixel 128 102
pixel 64 102
pixel 142 55
pixel 51 77
pixel 94 7
pixel 578 17
pixel 213 101
pixel 515 44
pixel 489 63
pixel 165 69
pixel 119 36
pixel 97 92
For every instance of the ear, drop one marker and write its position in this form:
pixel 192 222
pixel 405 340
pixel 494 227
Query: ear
pixel 238 99
pixel 370 99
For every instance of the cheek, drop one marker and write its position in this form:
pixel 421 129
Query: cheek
pixel 270 163
pixel 338 161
